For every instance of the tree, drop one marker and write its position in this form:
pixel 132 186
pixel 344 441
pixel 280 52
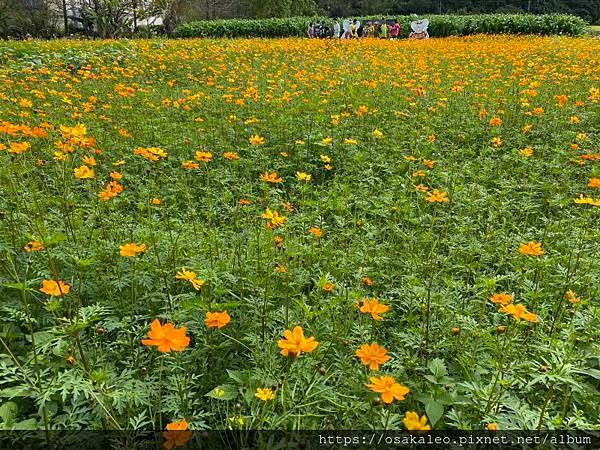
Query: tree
pixel 19 18
pixel 280 8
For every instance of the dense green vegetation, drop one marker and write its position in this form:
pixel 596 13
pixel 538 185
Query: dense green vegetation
pixel 445 25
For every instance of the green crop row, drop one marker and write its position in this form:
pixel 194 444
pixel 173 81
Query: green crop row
pixel 439 25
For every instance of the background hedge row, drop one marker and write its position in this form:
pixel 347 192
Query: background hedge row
pixel 439 25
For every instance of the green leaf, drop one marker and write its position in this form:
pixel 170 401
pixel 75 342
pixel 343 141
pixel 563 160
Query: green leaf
pixel 16 391
pixel 224 392
pixel 434 411
pixel 8 411
pixel 28 424
pixel 239 376
pixel 594 373
pixel 438 368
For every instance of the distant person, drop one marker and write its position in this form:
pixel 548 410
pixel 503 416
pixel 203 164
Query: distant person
pixel 354 29
pixel 369 30
pixel 419 29
pixel 395 29
pixel 336 28
pixel 383 30
pixel 311 30
pixel 346 33
pixel 318 30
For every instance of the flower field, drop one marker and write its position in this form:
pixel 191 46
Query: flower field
pixel 300 234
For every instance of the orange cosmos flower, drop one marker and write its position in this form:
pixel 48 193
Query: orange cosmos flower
pixel 150 153
pixel 203 156
pixel 294 343
pixel 131 249
pixel 526 152
pixel 572 297
pixel 256 140
pixel 372 355
pixel 531 248
pixel 231 156
pixel 16 148
pixel 537 111
pixel 437 196
pixel 278 241
pixel 561 100
pixel 116 175
pixel 518 312
pixel 166 337
pixel 495 121
pixel 367 281
pixel 496 142
pixel 328 287
pixel 89 160
pixel 33 246
pixel 412 421
pixel 594 183
pixel 190 165
pixel 362 110
pixel 273 219
pixel 502 299
pixel 112 190
pixel 55 288
pixel 271 177
pixel 177 434
pixel 191 277
pixel 317 232
pixel 83 172
pixel 388 388
pixel 216 319
pixel 373 307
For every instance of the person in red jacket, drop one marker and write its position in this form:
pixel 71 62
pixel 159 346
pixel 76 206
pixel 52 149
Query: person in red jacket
pixel 395 30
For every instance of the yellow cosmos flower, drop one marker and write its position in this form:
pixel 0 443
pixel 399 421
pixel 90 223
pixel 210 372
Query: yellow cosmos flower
pixel 131 249
pixel 264 394
pixel 412 421
pixel 83 172
pixel 256 139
